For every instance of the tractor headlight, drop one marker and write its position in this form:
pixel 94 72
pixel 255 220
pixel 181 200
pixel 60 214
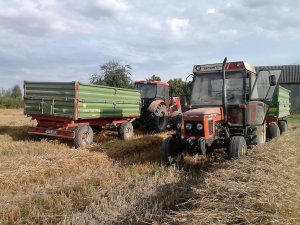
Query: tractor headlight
pixel 199 126
pixel 188 126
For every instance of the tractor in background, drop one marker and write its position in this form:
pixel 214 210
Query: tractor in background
pixel 159 107
pixel 227 110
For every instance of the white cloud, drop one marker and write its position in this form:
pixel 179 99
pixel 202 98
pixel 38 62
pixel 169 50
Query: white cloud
pixel 178 27
pixel 211 11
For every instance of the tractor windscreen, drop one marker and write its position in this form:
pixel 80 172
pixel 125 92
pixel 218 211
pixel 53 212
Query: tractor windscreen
pixel 148 90
pixel 207 89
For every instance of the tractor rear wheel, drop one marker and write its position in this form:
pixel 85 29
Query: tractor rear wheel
pixel 157 121
pixel 125 131
pixel 84 135
pixel 237 147
pixel 171 153
pixel 273 130
pixel 283 126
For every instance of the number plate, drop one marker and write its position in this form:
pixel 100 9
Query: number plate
pixel 51 131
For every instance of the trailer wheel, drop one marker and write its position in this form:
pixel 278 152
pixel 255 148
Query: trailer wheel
pixel 125 131
pixel 283 126
pixel 237 147
pixel 83 136
pixel 157 121
pixel 260 135
pixel 273 130
pixel 171 153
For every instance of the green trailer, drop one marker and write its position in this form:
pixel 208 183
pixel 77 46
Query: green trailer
pixel 278 111
pixel 75 110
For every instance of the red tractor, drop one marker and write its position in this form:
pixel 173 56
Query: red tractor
pixel 158 108
pixel 227 110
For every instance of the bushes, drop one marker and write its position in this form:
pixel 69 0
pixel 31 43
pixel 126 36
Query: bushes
pixel 10 103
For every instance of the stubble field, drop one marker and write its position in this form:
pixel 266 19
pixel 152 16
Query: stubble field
pixel 117 182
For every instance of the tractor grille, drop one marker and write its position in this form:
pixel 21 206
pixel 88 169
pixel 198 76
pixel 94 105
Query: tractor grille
pixel 194 131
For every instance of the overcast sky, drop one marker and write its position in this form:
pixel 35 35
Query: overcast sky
pixel 67 40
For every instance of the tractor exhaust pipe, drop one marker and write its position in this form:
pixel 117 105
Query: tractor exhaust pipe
pixel 224 95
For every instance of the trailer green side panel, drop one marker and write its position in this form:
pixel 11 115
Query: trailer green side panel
pixel 49 98
pixel 280 104
pixel 102 101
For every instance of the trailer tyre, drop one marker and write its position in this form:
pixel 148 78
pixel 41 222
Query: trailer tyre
pixel 237 147
pixel 126 131
pixel 171 153
pixel 83 136
pixel 283 126
pixel 273 130
pixel 157 121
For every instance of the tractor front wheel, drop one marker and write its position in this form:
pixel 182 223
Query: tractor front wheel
pixel 171 153
pixel 237 147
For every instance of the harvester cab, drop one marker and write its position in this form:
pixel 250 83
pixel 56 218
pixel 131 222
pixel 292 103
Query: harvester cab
pixel 158 104
pixel 227 110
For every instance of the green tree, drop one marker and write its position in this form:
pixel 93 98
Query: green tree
pixel 114 74
pixel 178 86
pixel 154 78
pixel 16 92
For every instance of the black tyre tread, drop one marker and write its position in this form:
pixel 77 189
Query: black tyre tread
pixel 235 144
pixel 78 132
pixel 152 120
pixel 283 126
pixel 122 129
pixel 273 130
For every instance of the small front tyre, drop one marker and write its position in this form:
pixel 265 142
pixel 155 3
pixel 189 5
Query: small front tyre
pixel 237 147
pixel 84 136
pixel 171 153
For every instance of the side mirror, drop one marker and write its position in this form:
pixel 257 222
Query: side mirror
pixel 272 80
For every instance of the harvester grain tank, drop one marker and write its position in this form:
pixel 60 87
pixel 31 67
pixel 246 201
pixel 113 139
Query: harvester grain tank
pixel 227 110
pixel 75 110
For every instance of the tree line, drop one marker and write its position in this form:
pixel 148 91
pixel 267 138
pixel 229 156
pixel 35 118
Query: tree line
pixel 114 73
pixel 11 98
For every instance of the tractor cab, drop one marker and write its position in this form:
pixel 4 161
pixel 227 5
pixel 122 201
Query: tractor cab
pixel 152 90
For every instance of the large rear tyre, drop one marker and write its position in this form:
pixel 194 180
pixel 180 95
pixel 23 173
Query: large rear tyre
pixel 283 126
pixel 157 121
pixel 126 131
pixel 84 136
pixel 237 147
pixel 273 130
pixel 171 153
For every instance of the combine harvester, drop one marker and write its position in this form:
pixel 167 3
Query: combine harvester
pixel 229 108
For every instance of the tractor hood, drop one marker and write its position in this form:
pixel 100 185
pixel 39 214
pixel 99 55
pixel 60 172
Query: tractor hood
pixel 203 112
